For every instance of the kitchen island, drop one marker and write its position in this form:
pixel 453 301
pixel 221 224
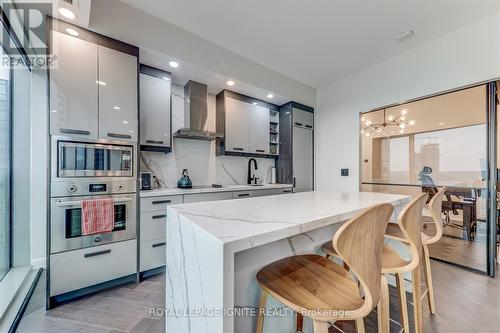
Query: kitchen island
pixel 214 250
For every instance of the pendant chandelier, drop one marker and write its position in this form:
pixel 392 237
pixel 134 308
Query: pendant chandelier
pixel 399 121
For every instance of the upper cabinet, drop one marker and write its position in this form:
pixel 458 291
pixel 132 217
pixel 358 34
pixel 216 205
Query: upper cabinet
pixel 237 136
pixel 93 87
pixel 259 129
pixel 248 126
pixel 155 110
pixel 73 87
pixel 117 95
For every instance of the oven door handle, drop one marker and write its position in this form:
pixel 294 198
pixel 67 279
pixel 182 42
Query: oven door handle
pixel 79 203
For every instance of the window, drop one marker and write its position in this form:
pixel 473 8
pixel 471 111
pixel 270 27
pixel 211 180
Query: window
pixel 5 170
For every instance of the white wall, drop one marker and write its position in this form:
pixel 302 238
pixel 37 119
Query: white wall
pixel 199 156
pixel 466 56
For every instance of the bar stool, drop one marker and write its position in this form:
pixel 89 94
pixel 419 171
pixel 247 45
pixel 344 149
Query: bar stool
pixel 324 291
pixel 409 231
pixel 434 208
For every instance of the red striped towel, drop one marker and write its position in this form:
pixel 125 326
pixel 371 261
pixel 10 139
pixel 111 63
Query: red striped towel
pixel 98 216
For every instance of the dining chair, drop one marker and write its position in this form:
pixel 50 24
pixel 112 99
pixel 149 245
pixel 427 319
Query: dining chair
pixel 318 288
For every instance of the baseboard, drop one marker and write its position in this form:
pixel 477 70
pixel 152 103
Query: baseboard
pixel 39 263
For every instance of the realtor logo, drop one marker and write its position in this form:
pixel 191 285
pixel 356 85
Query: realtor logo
pixel 28 31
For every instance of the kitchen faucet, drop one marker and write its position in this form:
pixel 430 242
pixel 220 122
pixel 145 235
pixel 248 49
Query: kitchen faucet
pixel 250 176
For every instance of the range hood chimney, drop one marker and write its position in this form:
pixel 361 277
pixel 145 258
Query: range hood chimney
pixel 196 113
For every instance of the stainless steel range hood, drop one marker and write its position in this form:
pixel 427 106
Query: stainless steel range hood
pixel 196 114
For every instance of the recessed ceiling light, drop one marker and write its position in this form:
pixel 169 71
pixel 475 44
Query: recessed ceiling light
pixel 166 78
pixel 72 32
pixel 270 95
pixel 230 83
pixel 174 64
pixel 405 35
pixel 67 13
pixel 125 122
pixel 116 107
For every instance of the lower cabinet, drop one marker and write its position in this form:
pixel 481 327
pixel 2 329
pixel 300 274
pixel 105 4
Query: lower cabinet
pixel 200 197
pixel 73 270
pixel 153 254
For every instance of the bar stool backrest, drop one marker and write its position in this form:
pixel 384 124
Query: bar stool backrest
pixel 359 242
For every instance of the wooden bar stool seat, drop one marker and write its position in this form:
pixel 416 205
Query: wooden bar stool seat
pixel 310 281
pixel 318 288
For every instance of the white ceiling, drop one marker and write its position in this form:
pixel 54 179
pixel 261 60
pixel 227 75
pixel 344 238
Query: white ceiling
pixel 316 42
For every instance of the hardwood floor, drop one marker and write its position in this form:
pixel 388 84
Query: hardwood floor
pixel 466 302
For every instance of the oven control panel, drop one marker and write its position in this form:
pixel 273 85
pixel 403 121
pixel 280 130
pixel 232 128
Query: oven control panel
pixel 95 188
pixel 92 187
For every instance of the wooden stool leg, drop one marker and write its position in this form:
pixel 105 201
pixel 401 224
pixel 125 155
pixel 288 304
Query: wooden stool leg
pixel 403 306
pixel 300 323
pixel 417 302
pixel 428 279
pixel 360 325
pixel 320 326
pixel 383 307
pixel 260 314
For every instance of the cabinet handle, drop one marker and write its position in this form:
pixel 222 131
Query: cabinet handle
pixel 260 150
pixel 299 124
pixel 159 202
pixel 237 148
pixel 309 126
pixel 293 181
pixel 98 253
pixel 74 131
pixel 287 191
pixel 120 136
pixel 159 244
pixel 155 217
pixel 244 195
pixel 154 141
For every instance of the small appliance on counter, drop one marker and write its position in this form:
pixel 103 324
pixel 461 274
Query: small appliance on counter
pixel 185 181
pixel 146 180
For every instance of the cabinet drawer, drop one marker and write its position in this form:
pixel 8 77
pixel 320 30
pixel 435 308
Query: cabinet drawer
pixel 159 203
pixel 153 254
pixel 78 269
pixel 153 225
pixel 189 198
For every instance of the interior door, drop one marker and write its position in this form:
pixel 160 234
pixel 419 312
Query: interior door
pixel 237 137
pixel 302 159
pixel 259 129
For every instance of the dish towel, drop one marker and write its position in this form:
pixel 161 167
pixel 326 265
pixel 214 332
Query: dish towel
pixel 98 216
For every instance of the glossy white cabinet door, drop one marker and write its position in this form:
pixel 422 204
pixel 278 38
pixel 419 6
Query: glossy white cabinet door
pixel 237 125
pixel 303 159
pixel 73 87
pixel 155 111
pixel 303 118
pixel 259 129
pixel 117 95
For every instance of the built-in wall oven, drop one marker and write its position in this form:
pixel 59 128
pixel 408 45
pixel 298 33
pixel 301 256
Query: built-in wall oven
pixel 66 222
pixel 87 170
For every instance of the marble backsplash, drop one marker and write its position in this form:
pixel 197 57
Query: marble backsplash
pixel 199 156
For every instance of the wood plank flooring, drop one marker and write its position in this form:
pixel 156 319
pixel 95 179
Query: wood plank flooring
pixel 466 302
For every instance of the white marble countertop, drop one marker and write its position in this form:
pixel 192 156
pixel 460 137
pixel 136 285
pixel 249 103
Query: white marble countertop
pixel 225 188
pixel 247 223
